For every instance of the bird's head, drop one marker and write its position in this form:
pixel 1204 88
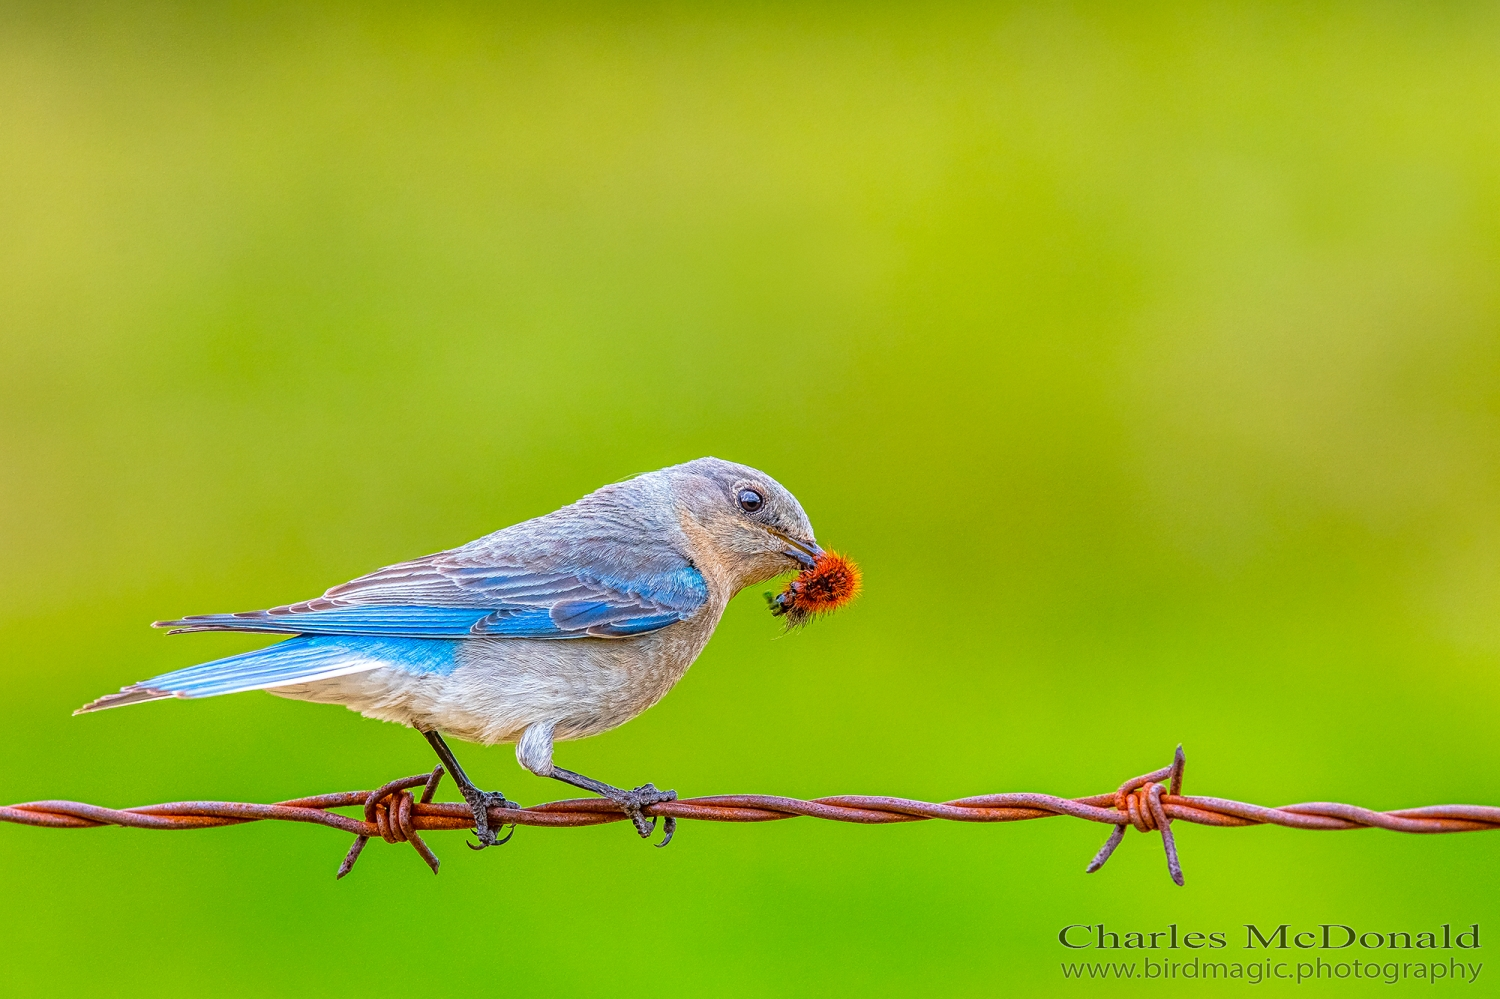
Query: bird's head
pixel 742 521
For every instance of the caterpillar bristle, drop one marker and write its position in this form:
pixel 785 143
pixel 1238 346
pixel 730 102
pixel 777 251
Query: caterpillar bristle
pixel 830 583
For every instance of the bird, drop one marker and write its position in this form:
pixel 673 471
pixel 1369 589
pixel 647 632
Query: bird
pixel 556 628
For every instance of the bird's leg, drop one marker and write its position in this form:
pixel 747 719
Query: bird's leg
pixel 632 802
pixel 479 801
pixel 534 752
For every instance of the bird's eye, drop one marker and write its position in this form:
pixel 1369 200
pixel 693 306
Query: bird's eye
pixel 750 500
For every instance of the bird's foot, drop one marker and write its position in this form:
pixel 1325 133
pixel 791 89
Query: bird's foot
pixel 633 804
pixel 480 802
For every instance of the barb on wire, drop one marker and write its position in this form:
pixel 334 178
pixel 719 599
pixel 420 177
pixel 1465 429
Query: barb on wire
pixel 391 813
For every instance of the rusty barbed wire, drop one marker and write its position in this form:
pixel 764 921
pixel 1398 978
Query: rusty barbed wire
pixel 394 815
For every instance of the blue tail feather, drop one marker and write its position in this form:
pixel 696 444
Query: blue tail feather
pixel 296 660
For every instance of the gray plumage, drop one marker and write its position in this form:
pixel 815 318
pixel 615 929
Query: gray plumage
pixel 556 628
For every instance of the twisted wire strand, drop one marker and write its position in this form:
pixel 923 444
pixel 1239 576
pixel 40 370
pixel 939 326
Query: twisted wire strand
pixel 391 813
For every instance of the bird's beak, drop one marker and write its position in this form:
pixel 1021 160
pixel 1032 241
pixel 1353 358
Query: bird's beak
pixel 804 552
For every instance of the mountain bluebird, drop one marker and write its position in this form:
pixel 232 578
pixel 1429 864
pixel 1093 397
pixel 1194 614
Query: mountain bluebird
pixel 556 628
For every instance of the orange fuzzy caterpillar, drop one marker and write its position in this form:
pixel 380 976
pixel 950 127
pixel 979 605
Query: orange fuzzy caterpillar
pixel 831 583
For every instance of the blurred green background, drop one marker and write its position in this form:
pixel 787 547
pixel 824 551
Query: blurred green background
pixel 1146 358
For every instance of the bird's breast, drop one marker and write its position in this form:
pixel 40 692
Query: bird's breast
pixel 583 686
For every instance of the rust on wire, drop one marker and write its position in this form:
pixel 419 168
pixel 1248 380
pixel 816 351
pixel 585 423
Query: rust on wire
pixel 394 815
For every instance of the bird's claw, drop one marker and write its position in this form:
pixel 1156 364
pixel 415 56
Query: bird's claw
pixel 633 804
pixel 480 802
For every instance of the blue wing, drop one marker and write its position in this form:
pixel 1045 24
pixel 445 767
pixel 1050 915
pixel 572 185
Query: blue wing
pixel 445 596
